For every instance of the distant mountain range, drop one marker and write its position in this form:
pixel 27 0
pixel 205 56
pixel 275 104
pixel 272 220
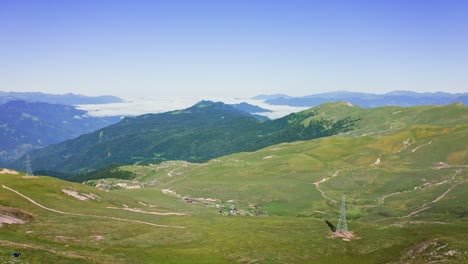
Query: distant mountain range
pixel 270 96
pixel 25 126
pixel 395 98
pixel 64 99
pixel 249 108
pixel 199 133
pixel 255 110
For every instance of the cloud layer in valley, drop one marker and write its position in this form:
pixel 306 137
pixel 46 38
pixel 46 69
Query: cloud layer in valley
pixel 140 106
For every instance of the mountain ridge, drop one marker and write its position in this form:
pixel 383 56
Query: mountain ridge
pixel 370 100
pixel 198 133
pixel 64 99
pixel 25 126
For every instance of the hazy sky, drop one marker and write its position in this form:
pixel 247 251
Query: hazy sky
pixel 232 48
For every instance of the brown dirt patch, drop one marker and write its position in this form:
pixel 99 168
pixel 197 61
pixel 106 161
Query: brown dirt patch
pixel 13 216
pixel 81 196
pixel 30 177
pixel 441 165
pixel 7 171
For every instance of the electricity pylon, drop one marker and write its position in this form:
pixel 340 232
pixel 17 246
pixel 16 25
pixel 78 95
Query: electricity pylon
pixel 29 170
pixel 342 226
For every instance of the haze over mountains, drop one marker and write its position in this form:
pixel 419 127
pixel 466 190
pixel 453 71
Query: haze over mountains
pixel 64 99
pixel 199 133
pixel 31 120
pixel 38 120
pixel 25 126
pixel 395 98
pixel 65 130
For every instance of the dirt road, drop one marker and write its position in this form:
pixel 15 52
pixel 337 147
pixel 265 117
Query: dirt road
pixel 86 215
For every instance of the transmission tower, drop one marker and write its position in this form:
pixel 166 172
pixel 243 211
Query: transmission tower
pixel 342 226
pixel 29 170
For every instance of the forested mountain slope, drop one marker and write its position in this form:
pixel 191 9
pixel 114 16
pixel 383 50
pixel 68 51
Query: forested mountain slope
pixel 25 126
pixel 199 133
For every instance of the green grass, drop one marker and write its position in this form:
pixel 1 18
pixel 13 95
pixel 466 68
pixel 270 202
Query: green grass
pixel 208 236
pixel 279 180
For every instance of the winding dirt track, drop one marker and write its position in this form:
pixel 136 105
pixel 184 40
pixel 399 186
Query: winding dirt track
pixel 143 212
pixel 425 206
pixel 317 186
pixel 85 215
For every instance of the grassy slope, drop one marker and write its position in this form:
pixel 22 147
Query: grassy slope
pixel 207 238
pixel 280 180
pixel 282 176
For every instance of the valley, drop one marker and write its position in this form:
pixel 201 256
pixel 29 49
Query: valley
pixel 233 132
pixel 25 126
pixel 404 176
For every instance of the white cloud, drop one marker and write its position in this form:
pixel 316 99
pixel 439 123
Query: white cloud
pixel 140 106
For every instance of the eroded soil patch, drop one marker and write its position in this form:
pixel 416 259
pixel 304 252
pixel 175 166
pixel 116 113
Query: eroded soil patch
pixel 13 216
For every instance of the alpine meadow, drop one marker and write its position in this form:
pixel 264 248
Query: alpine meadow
pixel 403 172
pixel 233 132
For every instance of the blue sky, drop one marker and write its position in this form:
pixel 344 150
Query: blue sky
pixel 233 48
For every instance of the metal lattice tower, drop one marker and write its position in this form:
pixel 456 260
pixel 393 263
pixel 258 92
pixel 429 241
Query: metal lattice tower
pixel 342 226
pixel 29 170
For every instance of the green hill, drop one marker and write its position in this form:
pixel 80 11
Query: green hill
pixel 410 167
pixel 197 134
pixel 405 183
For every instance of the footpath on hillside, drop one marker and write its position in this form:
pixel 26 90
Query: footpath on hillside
pixel 86 215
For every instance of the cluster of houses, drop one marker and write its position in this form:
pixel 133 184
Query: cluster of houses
pixel 232 211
